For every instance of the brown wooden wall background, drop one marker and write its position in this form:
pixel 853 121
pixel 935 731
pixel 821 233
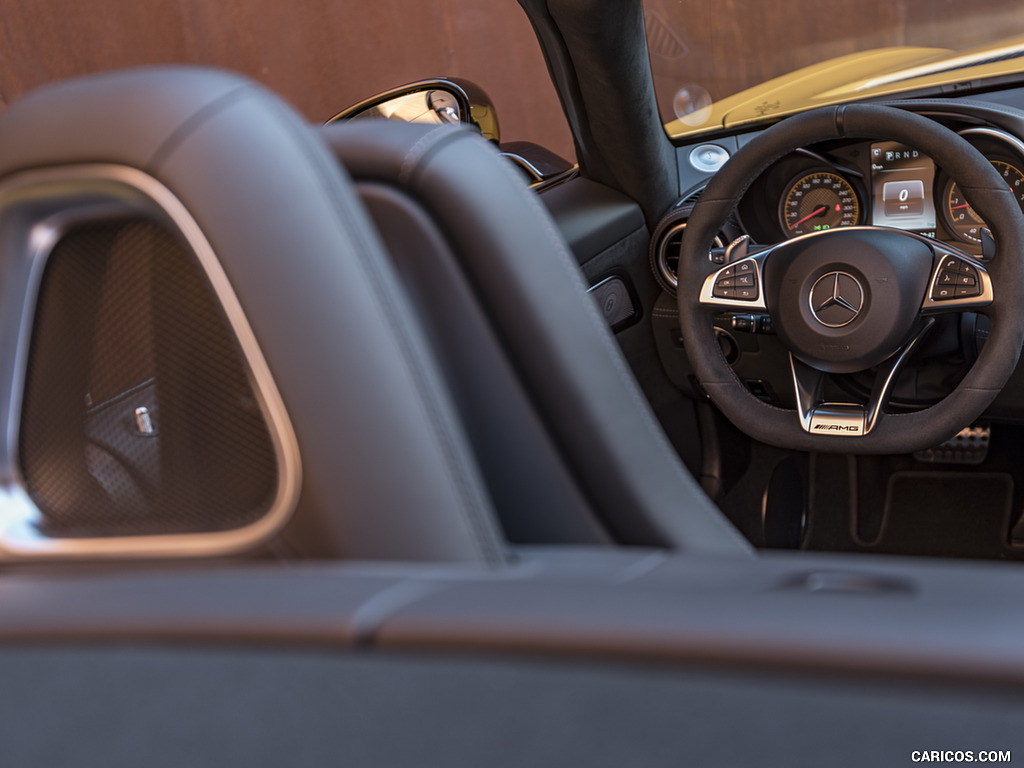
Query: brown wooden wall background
pixel 323 55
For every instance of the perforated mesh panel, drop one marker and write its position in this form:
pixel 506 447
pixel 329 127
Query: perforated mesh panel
pixel 126 319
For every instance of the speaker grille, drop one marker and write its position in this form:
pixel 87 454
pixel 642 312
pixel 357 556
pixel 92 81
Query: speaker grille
pixel 138 417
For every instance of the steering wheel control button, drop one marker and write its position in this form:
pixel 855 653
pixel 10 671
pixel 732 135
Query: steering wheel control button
pixel 743 286
pixel 738 284
pixel 959 280
pixel 836 299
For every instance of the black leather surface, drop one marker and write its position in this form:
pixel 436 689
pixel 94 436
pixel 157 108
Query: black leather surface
pixel 516 260
pixel 167 707
pixel 529 484
pixel 386 471
pixel 593 657
pixel 85 119
pixel 880 617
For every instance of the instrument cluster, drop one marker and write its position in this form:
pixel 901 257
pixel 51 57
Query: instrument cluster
pixel 880 183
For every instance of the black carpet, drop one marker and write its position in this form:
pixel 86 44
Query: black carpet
pixel 946 514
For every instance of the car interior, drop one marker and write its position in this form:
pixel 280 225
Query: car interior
pixel 386 443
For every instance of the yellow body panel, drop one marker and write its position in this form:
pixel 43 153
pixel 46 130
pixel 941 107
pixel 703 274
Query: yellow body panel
pixel 874 73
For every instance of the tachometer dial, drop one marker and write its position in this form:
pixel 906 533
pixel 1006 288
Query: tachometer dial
pixel 961 218
pixel 817 201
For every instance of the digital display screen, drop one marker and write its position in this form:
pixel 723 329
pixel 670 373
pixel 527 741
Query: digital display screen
pixel 901 184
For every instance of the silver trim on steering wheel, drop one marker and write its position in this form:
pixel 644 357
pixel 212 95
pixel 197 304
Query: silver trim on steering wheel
pixel 848 419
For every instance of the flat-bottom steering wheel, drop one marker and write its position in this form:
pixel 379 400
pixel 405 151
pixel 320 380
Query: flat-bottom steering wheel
pixel 854 298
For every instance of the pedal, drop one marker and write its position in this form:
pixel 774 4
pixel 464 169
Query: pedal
pixel 969 446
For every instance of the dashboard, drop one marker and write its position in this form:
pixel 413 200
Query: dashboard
pixel 880 183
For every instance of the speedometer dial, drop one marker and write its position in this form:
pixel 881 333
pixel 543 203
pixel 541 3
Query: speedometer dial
pixel 817 201
pixel 961 218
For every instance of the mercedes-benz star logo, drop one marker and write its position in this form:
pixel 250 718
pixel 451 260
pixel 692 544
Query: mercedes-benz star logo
pixel 836 299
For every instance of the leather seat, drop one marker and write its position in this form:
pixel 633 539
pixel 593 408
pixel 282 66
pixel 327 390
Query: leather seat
pixel 379 466
pixel 436 398
pixel 566 442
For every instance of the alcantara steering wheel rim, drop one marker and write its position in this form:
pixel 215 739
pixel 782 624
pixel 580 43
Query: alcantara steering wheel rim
pixel 1004 304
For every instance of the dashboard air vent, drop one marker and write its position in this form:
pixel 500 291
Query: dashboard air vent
pixel 668 238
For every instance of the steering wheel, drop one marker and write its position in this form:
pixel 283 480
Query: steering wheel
pixel 853 298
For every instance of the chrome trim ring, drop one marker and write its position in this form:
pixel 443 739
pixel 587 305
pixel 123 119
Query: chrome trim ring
pixel 1010 140
pixel 836 299
pixel 36 208
pixel 667 275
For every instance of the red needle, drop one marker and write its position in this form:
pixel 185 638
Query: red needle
pixel 958 207
pixel 815 212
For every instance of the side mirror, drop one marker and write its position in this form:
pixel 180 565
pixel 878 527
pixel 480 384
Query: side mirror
pixel 436 102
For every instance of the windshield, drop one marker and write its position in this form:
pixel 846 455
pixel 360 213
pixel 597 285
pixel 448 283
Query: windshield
pixel 726 62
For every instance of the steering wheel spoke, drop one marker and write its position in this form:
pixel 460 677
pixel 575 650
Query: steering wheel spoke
pixel 818 417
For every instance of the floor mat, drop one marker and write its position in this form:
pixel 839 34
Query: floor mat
pixel 947 514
